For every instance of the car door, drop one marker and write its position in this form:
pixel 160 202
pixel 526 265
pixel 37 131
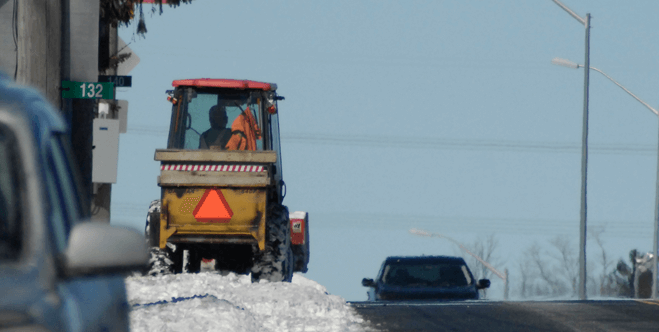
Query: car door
pixel 92 303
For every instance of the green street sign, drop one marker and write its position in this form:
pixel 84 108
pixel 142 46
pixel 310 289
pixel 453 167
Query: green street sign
pixel 88 90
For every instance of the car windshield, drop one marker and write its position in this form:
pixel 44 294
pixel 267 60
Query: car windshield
pixel 10 220
pixel 217 119
pixel 426 275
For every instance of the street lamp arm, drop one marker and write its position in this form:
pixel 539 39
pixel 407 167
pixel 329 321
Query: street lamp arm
pixel 487 265
pixel 622 87
pixel 569 11
pixel 570 64
pixel 655 261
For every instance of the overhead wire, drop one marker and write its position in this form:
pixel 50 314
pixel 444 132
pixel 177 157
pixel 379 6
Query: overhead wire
pixel 453 144
pixel 628 229
pixel 448 224
pixel 435 143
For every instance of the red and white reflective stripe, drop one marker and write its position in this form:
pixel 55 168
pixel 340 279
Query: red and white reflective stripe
pixel 212 168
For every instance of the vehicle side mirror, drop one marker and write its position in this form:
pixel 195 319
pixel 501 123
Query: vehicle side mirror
pixel 483 283
pixel 367 282
pixel 98 248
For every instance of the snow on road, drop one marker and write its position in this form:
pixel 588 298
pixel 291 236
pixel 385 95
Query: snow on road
pixel 208 301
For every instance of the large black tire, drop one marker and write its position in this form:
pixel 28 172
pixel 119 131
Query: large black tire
pixel 159 262
pixel 152 227
pixel 275 263
pixel 162 261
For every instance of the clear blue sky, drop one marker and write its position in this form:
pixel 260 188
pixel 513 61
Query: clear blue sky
pixel 441 115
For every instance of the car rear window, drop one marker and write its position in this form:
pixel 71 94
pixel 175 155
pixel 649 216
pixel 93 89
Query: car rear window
pixel 426 275
pixel 11 231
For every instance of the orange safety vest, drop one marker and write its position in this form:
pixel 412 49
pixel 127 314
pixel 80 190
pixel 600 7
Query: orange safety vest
pixel 244 131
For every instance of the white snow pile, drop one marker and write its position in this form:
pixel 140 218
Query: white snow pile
pixel 208 301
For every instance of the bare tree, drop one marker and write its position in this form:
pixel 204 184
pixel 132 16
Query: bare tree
pixel 606 277
pixel 528 275
pixel 546 269
pixel 524 279
pixel 554 271
pixel 485 248
pixel 564 255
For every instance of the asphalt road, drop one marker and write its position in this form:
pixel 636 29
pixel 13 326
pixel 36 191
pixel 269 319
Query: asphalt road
pixel 570 316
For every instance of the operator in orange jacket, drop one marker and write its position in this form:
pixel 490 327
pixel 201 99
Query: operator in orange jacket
pixel 245 131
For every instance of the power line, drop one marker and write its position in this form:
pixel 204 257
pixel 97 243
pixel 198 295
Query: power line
pixel 616 228
pixel 619 228
pixel 477 144
pixel 434 143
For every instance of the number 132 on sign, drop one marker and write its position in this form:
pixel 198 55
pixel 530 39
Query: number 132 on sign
pixel 87 90
pixel 91 90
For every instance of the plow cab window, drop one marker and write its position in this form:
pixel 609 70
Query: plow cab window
pixel 219 120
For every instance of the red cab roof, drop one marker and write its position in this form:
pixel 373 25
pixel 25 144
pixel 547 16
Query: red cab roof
pixel 225 83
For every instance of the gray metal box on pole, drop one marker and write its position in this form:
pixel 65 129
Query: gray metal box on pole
pixel 105 151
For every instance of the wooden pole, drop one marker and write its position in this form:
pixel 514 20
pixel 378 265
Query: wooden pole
pixel 39 47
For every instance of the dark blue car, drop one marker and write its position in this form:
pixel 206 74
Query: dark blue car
pixel 424 278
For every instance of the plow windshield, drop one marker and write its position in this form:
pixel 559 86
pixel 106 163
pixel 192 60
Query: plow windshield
pixel 217 119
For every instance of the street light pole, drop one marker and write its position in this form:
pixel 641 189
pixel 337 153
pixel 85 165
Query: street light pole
pixel 584 155
pixel 655 263
pixel 584 171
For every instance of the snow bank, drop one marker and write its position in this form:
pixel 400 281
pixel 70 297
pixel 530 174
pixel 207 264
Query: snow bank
pixel 209 301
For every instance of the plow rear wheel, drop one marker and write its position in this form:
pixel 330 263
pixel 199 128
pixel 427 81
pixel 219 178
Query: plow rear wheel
pixel 275 263
pixel 160 261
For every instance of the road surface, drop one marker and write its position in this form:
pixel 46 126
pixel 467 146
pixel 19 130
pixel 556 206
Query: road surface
pixel 570 316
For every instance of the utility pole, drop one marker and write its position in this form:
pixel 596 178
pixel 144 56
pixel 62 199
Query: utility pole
pixel 80 64
pixel 584 155
pixel 53 39
pixel 39 26
pixel 506 288
pixel 584 171
pixel 50 43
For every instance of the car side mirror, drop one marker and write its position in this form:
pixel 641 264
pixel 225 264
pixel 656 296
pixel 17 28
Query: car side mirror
pixel 483 283
pixel 367 282
pixel 99 248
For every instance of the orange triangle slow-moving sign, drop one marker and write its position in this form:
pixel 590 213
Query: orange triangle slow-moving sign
pixel 213 207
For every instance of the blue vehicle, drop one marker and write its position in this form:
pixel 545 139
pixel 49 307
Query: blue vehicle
pixel 57 272
pixel 424 278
